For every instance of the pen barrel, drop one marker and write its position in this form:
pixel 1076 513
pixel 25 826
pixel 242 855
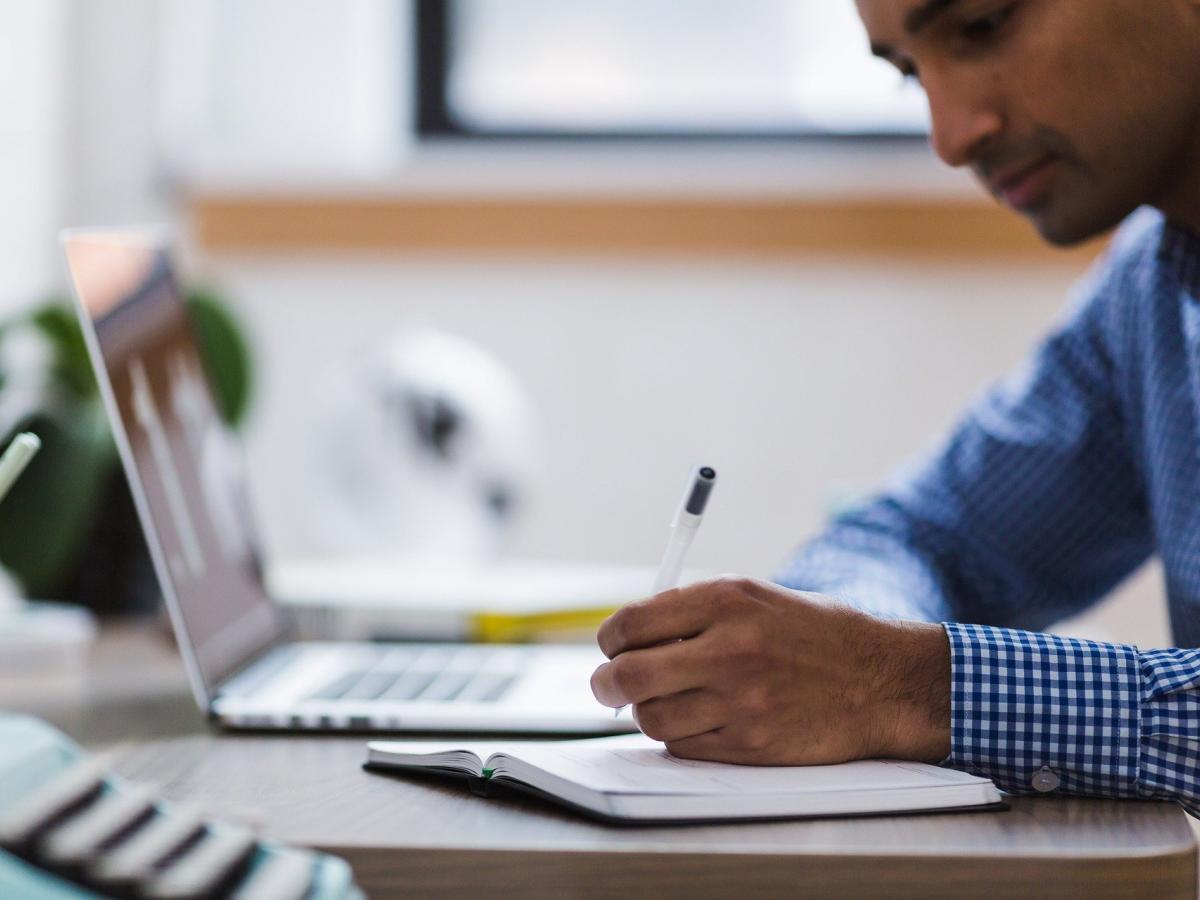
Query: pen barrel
pixel 685 519
pixel 672 561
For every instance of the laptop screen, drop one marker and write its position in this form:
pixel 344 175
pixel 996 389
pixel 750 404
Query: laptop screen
pixel 183 463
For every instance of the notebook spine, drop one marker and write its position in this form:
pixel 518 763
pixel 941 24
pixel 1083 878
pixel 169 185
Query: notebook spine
pixel 481 787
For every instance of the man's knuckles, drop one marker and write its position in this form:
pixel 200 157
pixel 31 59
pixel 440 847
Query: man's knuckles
pixel 612 635
pixel 754 703
pixel 743 650
pixel 627 627
pixel 630 676
pixel 728 593
pixel 609 635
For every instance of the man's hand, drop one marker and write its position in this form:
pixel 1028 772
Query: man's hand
pixel 742 671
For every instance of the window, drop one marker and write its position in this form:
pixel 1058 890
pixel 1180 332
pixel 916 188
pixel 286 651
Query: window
pixel 685 68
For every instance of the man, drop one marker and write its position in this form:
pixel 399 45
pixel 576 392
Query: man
pixel 1057 484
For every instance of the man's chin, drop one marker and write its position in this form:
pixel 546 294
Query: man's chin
pixel 1064 230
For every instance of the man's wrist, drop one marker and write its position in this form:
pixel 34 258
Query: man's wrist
pixel 913 693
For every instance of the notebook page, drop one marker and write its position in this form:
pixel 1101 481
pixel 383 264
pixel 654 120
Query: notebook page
pixel 482 749
pixel 428 755
pixel 635 764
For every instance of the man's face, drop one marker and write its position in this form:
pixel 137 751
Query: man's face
pixel 1072 112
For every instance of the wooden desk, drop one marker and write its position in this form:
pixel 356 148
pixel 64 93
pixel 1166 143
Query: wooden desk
pixel 417 838
pixel 423 838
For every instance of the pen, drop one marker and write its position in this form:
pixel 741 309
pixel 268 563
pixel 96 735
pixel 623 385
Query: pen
pixel 683 529
pixel 684 526
pixel 16 458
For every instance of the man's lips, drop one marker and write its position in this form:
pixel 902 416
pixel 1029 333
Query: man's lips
pixel 1022 186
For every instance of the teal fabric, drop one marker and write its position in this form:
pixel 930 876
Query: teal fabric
pixel 31 752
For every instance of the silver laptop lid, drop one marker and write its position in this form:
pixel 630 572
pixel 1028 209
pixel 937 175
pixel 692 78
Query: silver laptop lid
pixel 182 462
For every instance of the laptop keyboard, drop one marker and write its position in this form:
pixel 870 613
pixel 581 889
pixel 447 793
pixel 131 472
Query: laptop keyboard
pixel 470 675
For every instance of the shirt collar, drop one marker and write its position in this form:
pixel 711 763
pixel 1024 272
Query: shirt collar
pixel 1179 250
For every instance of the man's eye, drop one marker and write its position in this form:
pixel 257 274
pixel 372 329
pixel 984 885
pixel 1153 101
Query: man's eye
pixel 986 26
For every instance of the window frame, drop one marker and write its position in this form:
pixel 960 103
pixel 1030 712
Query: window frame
pixel 431 35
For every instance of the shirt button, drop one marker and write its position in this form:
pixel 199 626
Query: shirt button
pixel 1044 780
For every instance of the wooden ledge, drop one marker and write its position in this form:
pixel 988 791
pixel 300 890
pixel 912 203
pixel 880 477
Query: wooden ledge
pixel 938 230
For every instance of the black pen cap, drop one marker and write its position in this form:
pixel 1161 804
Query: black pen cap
pixel 702 485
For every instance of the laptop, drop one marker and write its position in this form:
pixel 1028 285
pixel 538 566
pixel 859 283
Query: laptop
pixel 184 471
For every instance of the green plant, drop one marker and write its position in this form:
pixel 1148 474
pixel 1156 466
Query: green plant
pixel 72 501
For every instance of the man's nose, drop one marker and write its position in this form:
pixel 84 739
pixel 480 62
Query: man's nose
pixel 963 121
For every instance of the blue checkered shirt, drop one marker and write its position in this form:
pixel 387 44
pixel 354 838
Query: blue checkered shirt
pixel 1060 481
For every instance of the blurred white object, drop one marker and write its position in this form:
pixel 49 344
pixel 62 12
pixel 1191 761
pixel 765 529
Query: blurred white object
pixel 41 640
pixel 427 450
pixel 44 640
pixel 11 598
pixel 27 364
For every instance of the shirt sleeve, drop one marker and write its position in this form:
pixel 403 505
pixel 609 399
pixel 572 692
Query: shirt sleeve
pixel 1040 713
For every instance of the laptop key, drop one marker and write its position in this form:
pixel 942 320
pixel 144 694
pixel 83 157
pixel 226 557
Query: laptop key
pixel 409 685
pixel 473 674
pixel 337 688
pixel 371 686
pixel 487 687
pixel 499 689
pixel 446 686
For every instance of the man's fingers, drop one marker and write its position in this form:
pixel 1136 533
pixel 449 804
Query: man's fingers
pixel 670 616
pixel 639 675
pixel 679 716
pixel 711 745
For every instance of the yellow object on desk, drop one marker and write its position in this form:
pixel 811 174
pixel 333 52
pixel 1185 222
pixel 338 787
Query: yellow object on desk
pixel 548 626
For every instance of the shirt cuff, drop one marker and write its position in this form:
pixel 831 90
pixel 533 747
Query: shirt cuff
pixel 1036 712
pixel 1170 764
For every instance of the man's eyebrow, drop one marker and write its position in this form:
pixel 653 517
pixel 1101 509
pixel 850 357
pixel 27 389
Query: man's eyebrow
pixel 915 21
pixel 919 18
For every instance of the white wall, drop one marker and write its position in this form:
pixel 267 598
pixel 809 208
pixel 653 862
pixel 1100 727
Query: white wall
pixel 77 140
pixel 111 169
pixel 32 98
pixel 264 88
pixel 111 107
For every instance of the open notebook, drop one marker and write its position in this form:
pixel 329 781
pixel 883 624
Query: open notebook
pixel 631 778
